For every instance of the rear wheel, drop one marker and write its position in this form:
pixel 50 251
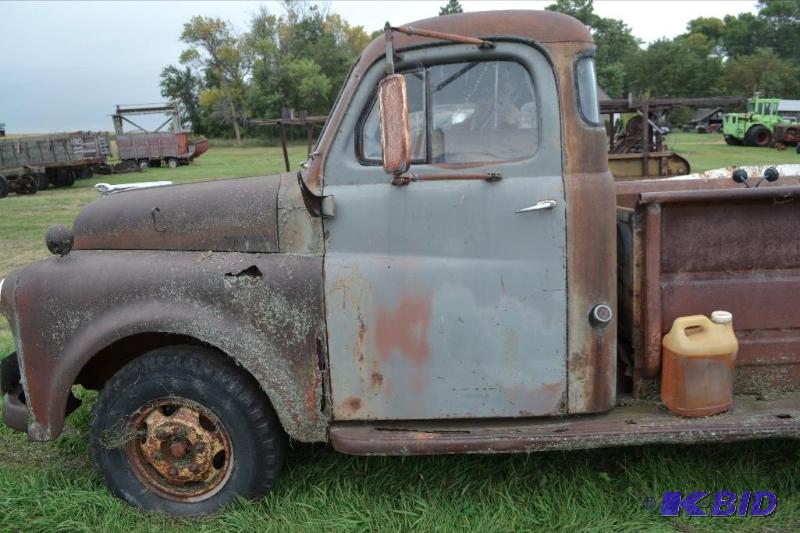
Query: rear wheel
pixel 181 431
pixel 144 164
pixel 5 188
pixel 28 184
pixel 42 181
pixel 758 135
pixel 172 162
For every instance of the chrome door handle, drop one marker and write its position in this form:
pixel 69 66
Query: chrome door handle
pixel 538 206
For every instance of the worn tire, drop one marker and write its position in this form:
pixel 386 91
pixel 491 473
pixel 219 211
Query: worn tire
pixel 172 162
pixel 758 135
pixel 144 164
pixel 42 181
pixel 5 188
pixel 198 375
pixel 732 141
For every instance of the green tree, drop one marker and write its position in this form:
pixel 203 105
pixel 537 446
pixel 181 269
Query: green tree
pixel 450 8
pixel 182 86
pixel 615 43
pixel 215 48
pixel 762 71
pixel 781 20
pixel 680 67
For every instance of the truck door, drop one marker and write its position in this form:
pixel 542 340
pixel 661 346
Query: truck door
pixel 446 298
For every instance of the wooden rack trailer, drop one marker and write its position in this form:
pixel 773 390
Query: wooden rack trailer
pixel 152 148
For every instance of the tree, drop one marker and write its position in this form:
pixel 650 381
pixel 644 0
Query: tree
pixel 762 71
pixel 182 86
pixel 615 43
pixel 680 67
pixel 781 20
pixel 450 8
pixel 215 47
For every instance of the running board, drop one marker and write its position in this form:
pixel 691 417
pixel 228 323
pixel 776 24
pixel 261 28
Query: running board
pixel 632 422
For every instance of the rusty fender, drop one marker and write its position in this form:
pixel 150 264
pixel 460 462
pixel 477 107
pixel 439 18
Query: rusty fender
pixel 263 310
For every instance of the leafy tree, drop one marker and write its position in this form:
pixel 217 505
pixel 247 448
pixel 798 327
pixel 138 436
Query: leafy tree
pixel 781 20
pixel 680 67
pixel 182 86
pixel 615 43
pixel 215 47
pixel 762 71
pixel 450 8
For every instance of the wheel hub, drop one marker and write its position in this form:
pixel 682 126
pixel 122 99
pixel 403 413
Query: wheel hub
pixel 182 451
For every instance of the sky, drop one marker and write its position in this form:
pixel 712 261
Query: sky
pixel 65 65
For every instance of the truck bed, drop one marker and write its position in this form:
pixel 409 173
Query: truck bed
pixel 690 246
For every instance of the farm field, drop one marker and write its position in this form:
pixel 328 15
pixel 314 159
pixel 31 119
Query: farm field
pixel 54 486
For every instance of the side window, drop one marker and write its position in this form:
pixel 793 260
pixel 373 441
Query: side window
pixel 371 133
pixel 479 112
pixel 587 90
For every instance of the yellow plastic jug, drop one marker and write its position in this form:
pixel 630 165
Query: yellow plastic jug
pixel 699 364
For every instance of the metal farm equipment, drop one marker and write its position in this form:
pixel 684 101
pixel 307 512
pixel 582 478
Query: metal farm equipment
pixel 30 164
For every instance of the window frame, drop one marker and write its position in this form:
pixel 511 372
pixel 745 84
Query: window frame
pixel 586 56
pixel 364 114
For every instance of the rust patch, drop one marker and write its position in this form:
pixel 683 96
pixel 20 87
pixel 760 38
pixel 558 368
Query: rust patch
pixel 405 328
pixel 377 379
pixel 352 403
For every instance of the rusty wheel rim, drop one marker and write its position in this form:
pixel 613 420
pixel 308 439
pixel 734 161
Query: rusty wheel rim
pixel 180 450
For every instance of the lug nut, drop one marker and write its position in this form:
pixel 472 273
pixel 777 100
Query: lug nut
pixel 199 447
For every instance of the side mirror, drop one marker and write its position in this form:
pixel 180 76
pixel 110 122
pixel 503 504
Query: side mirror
pixel 395 136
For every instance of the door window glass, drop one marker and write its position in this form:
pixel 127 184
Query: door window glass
pixel 479 112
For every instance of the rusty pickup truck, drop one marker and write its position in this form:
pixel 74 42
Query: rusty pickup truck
pixel 453 270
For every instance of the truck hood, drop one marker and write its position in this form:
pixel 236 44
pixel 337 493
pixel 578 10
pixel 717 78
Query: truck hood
pixel 237 215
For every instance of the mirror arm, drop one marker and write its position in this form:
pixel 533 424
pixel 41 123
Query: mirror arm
pixel 387 34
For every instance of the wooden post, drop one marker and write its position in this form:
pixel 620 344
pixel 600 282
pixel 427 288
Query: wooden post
pixel 283 144
pixel 646 138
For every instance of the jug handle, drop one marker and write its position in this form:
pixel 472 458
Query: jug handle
pixel 685 322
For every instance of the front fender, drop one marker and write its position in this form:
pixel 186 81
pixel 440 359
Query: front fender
pixel 263 310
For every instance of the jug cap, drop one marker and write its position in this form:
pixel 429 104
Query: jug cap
pixel 721 317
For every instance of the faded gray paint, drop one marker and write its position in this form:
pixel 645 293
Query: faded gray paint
pixel 441 301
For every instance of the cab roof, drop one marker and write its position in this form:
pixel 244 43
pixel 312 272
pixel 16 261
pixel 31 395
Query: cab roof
pixel 540 26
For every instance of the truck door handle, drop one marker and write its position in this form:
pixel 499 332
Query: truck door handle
pixel 539 206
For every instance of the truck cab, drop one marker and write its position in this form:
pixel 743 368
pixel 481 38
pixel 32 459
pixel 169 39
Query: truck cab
pixel 440 277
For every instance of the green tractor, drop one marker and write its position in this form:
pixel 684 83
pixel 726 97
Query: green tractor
pixel 754 127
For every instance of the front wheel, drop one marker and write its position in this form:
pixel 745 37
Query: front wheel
pixel 181 431
pixel 172 162
pixel 758 135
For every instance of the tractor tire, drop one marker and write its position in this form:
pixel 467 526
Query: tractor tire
pixel 732 141
pixel 5 188
pixel 172 162
pixel 759 136
pixel 181 431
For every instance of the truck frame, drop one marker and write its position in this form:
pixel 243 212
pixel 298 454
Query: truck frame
pixel 442 276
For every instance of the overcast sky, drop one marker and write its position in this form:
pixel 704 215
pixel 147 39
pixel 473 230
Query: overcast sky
pixel 65 65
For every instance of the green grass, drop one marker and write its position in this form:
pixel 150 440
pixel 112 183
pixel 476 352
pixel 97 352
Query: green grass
pixel 707 151
pixel 54 486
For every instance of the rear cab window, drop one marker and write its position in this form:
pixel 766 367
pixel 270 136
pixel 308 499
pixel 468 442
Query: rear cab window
pixel 586 82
